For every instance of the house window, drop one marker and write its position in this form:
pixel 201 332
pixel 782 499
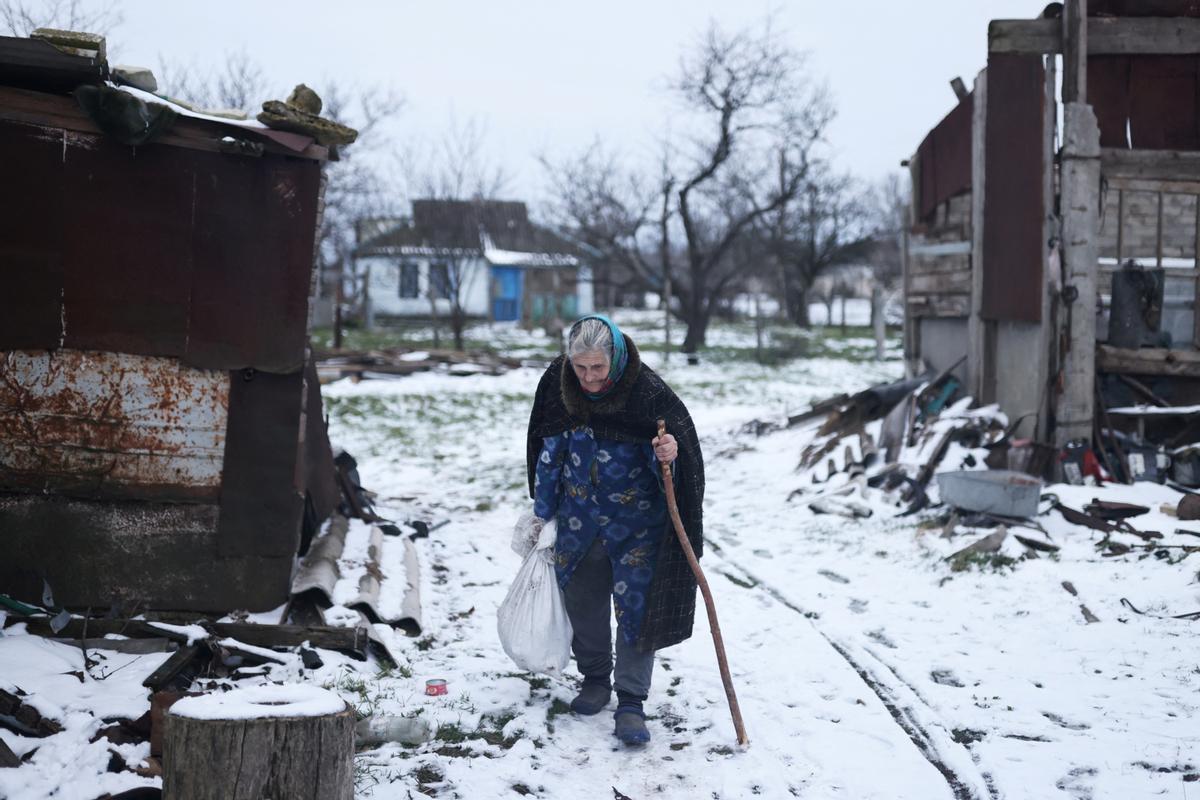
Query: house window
pixel 408 280
pixel 439 280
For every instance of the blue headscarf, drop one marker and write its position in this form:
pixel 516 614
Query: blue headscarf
pixel 618 358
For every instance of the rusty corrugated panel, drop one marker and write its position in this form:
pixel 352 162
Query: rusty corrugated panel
pixel 945 158
pixel 1013 202
pixel 253 247
pixel 261 499
pixel 1108 93
pixel 95 424
pixel 1162 102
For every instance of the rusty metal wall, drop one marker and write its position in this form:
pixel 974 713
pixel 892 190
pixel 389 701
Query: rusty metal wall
pixel 135 554
pixel 1013 214
pixel 320 479
pixel 171 252
pixel 944 159
pixel 98 424
pixel 262 494
pixel 1146 102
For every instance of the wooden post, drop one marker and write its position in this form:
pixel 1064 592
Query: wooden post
pixel 301 747
pixel 1074 23
pixel 337 304
pixel 1196 282
pixel 878 322
pixel 1120 225
pixel 1158 234
pixel 976 326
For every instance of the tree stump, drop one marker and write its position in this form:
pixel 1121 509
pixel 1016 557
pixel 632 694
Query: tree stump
pixel 294 742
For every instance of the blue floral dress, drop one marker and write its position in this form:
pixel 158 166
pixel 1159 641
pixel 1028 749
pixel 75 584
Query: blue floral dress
pixel 608 489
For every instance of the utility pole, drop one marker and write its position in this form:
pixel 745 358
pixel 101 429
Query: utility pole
pixel 1080 223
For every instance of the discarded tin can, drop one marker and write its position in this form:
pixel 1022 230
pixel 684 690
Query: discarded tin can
pixel 435 687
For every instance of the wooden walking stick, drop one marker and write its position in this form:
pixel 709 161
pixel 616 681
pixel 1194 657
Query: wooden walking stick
pixel 719 643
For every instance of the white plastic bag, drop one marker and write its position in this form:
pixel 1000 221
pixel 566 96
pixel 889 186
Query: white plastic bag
pixel 526 533
pixel 532 621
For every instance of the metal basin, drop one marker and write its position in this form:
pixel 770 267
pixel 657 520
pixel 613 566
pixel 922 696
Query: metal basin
pixel 996 491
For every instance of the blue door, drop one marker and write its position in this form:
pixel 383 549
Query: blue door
pixel 506 293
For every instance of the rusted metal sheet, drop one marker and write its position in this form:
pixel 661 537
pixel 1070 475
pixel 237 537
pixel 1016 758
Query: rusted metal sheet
pixel 1146 102
pixel 171 252
pixel 127 260
pixel 320 480
pixel 945 159
pixel 95 424
pixel 137 554
pixel 262 496
pixel 29 262
pixel 1108 93
pixel 1162 102
pixel 1013 241
pixel 255 227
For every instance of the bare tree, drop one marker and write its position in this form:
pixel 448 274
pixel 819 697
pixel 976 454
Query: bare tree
pixel 616 213
pixel 825 226
pixel 456 167
pixel 20 18
pixel 764 121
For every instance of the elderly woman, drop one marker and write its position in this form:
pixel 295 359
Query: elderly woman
pixel 593 461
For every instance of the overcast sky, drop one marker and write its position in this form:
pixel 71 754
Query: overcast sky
pixel 552 76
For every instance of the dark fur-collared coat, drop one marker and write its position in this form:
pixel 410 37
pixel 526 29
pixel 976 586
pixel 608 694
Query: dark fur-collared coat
pixel 629 413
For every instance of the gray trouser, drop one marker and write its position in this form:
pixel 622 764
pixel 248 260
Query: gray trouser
pixel 589 606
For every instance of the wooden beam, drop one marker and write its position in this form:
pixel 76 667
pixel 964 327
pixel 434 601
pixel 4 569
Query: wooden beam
pixel 1075 52
pixel 1148 361
pixel 1161 165
pixel 976 326
pixel 1123 184
pixel 1106 36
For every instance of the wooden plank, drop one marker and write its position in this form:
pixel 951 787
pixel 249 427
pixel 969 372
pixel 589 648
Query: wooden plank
pixel 352 640
pixel 958 282
pixel 180 660
pixel 961 263
pixel 1166 186
pixel 1148 361
pixel 1196 285
pixel 1075 43
pixel 946 305
pixel 1172 166
pixel 62 112
pixel 1025 36
pixel 976 352
pixel 931 249
pixel 1105 36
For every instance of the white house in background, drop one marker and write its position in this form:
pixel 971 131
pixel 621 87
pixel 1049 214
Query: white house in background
pixel 506 267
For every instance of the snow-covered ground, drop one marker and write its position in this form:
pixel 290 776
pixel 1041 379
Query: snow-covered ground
pixel 865 665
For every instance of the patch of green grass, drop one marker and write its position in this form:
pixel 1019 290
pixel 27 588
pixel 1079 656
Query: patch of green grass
pixel 984 562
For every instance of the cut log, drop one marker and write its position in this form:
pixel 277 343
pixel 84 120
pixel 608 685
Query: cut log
pixel 292 741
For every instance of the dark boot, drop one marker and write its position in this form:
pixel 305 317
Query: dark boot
pixel 592 698
pixel 630 725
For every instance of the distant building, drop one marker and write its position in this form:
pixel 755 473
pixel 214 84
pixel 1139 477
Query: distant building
pixel 486 254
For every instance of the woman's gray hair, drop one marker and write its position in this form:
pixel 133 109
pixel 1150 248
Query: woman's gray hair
pixel 591 335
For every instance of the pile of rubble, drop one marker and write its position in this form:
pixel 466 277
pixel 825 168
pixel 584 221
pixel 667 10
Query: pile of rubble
pixel 917 445
pixel 184 654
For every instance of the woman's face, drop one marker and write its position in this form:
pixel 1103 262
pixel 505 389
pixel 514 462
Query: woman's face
pixel 591 369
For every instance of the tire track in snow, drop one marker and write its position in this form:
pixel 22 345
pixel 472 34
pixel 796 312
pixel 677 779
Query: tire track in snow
pixel 901 700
